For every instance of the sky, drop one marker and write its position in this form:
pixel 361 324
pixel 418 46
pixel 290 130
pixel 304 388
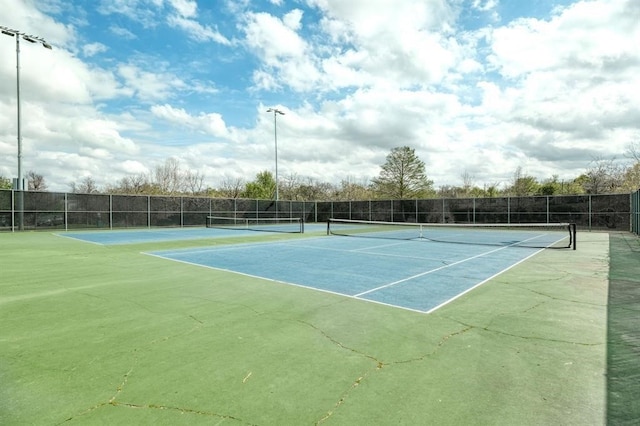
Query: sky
pixel 479 88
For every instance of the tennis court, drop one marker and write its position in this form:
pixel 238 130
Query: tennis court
pixel 153 235
pixel 137 236
pixel 263 328
pixel 407 274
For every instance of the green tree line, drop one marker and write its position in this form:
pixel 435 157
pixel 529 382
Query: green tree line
pixel 402 176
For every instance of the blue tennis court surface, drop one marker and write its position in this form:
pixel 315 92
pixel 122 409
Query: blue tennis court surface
pixel 136 236
pixel 415 275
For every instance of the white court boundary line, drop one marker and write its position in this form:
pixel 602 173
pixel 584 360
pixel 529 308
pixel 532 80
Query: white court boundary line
pixel 429 272
pixel 166 256
pixel 359 295
pixel 307 287
pixel 446 302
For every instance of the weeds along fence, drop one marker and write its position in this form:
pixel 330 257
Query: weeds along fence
pixel 31 210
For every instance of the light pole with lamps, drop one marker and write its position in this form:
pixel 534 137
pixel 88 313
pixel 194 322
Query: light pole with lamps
pixel 31 39
pixel 276 111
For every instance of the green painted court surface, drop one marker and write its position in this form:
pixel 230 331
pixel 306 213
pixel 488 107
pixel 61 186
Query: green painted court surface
pixel 93 334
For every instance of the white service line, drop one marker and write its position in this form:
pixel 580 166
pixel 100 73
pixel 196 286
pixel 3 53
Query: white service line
pixel 432 270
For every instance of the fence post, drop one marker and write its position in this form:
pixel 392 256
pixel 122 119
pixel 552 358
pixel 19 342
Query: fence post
pixel 66 216
pixel 548 214
pixel 635 212
pixel 13 212
pixel 590 213
pixel 474 210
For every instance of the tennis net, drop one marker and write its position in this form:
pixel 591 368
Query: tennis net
pixel 533 235
pixel 269 224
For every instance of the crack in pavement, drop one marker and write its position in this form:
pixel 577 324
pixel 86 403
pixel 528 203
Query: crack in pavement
pixel 561 299
pixel 488 328
pixel 347 392
pixel 379 365
pixel 184 410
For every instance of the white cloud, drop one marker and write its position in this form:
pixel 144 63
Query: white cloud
pixel 272 39
pixel 103 134
pixel 356 78
pixel 404 45
pixel 585 36
pixel 93 49
pixel 282 50
pixel 122 32
pixel 484 5
pixel 293 19
pixel 144 12
pixel 186 12
pixel 197 31
pixel 147 85
pixel 211 124
pixel 185 8
pixel 133 167
pixel 572 78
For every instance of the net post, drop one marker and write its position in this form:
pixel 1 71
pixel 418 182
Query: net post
pixel 328 225
pixel 572 228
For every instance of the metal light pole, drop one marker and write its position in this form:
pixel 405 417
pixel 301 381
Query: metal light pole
pixel 275 137
pixel 31 39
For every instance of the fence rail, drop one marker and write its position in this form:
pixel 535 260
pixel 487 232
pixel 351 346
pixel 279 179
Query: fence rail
pixel 56 210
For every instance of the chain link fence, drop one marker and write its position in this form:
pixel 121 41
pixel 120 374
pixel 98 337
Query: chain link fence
pixel 54 210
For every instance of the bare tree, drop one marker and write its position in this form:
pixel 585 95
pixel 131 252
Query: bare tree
pixel 289 187
pixel 167 177
pixel 603 176
pixel 313 190
pixel 349 190
pixel 467 182
pixel 193 182
pixel 232 188
pixel 633 150
pixel 36 181
pixel 86 186
pixel 136 184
